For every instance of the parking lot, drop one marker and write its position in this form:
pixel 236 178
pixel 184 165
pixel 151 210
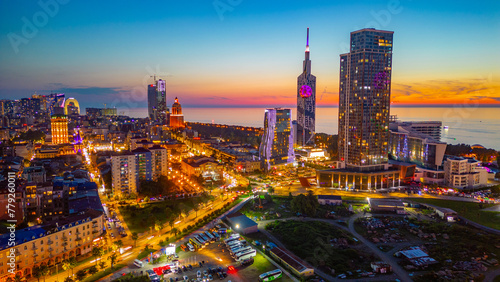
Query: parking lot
pixel 216 260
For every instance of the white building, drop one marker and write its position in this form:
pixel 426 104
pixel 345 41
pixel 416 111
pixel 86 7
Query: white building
pixel 159 161
pixel 460 172
pixel 123 171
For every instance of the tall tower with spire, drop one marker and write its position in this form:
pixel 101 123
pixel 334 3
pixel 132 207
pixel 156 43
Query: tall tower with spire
pixel 306 102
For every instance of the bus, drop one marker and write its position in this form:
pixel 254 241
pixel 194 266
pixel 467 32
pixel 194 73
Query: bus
pixel 240 250
pixel 204 238
pixel 239 245
pixel 195 243
pixel 241 256
pixel 190 247
pixel 232 237
pixel 216 235
pixel 271 275
pixel 212 238
pixel 201 240
pixel 232 243
pixel 138 263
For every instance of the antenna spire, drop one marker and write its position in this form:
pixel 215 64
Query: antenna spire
pixel 307 43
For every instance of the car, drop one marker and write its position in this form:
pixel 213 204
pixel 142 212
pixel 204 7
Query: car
pixel 190 267
pixel 185 278
pixel 205 272
pixel 184 268
pixel 221 277
pixel 198 274
pixel 199 263
pixel 171 279
pixel 210 277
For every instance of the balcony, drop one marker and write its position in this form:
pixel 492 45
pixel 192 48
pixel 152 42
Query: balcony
pixel 34 248
pixel 78 239
pixel 95 231
pixel 65 243
pixel 94 225
pixel 50 242
pixel 50 249
pixel 65 239
pixel 77 233
pixel 94 221
pixel 35 254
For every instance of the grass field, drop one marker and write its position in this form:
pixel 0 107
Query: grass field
pixel 104 273
pixel 469 210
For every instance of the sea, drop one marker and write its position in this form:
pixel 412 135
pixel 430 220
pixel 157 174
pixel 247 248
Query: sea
pixel 467 124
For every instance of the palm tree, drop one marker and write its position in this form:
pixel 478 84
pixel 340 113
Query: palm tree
pixel 72 264
pixel 116 245
pixel 37 272
pixel 18 278
pixel 196 208
pixel 135 237
pixel 171 222
pixel 112 258
pixel 44 270
pixel 97 252
pixel 102 265
pixel 66 265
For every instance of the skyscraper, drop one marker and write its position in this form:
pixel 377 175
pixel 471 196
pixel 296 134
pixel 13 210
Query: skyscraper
pixel 364 100
pixel 306 102
pixel 157 102
pixel 277 141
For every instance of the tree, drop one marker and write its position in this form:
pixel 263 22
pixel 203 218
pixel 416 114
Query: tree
pixel 290 196
pixel 18 278
pixel 37 273
pixel 80 275
pixel 72 264
pixel 135 237
pixel 268 198
pixel 93 270
pixel 44 270
pixel 270 190
pixel 196 208
pixel 102 265
pixel 66 265
pixel 171 222
pixel 117 244
pixel 97 252
pixel 112 258
pixel 158 226
pixel 68 279
pixel 175 231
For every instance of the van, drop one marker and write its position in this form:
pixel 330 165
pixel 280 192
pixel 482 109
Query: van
pixel 138 263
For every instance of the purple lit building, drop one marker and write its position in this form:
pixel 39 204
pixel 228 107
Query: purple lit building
pixel 306 102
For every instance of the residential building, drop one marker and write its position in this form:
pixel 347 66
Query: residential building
pixel 35 174
pixel 159 161
pixel 364 100
pixel 276 147
pixel 306 102
pixel 123 171
pixel 157 102
pixel 51 243
pixel 144 170
pixel 460 172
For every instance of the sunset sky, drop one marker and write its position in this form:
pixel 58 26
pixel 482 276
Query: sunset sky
pixel 242 52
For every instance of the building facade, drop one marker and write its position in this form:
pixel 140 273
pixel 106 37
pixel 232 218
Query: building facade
pixel 144 170
pixel 159 161
pixel 364 100
pixel 460 172
pixel 306 102
pixel 276 147
pixel 123 171
pixel 59 129
pixel 51 243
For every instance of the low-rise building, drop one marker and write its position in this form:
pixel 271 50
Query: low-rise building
pixel 206 167
pixel 386 205
pixel 242 224
pixel 292 262
pixel 329 200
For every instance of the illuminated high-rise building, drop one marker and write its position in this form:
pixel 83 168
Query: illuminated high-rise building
pixel 276 147
pixel 306 102
pixel 176 117
pixel 364 100
pixel 157 102
pixel 59 128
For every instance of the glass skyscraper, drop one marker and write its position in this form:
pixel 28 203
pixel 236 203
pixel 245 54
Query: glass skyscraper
pixel 277 141
pixel 157 102
pixel 364 100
